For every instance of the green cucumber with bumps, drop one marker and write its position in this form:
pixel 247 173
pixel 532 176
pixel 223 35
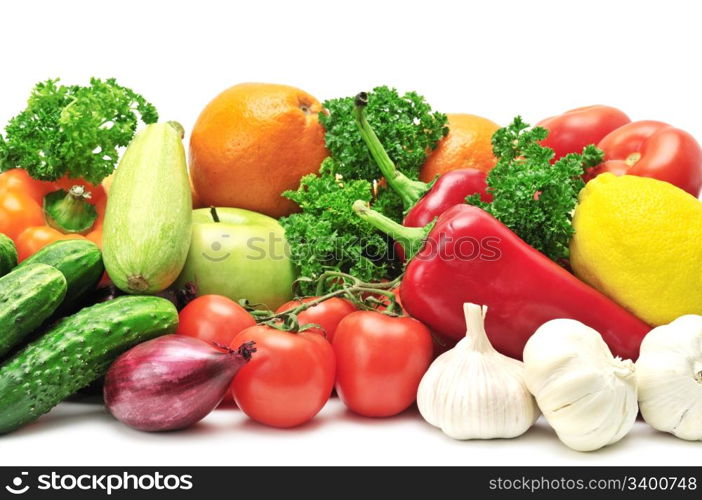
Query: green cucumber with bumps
pixel 80 261
pixel 29 295
pixel 75 352
pixel 8 255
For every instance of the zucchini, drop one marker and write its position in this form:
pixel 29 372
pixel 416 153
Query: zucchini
pixel 28 296
pixel 80 261
pixel 8 255
pixel 147 227
pixel 75 352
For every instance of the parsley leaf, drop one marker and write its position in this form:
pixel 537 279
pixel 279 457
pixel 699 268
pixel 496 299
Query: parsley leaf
pixel 405 125
pixel 327 235
pixel 73 130
pixel 530 196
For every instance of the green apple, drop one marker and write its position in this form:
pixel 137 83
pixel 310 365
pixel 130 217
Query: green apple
pixel 239 254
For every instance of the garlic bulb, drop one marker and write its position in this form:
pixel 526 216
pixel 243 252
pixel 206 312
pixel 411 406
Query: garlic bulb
pixel 669 373
pixel 587 395
pixel 474 392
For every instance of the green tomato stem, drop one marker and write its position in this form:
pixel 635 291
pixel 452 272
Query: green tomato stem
pixel 410 191
pixel 357 286
pixel 69 211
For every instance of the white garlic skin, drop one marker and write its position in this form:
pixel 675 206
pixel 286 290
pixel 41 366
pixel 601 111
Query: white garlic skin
pixel 669 373
pixel 474 392
pixel 586 395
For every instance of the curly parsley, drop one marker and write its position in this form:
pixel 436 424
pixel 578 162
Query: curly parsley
pixel 530 196
pixel 73 130
pixel 327 235
pixel 405 125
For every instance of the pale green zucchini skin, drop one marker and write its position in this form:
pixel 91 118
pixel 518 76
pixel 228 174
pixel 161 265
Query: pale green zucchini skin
pixel 147 229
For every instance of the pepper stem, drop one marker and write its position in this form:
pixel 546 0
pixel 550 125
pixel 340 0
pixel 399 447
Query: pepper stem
pixel 69 211
pixel 409 190
pixel 411 238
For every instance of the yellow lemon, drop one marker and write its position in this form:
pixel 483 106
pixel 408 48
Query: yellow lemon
pixel 639 241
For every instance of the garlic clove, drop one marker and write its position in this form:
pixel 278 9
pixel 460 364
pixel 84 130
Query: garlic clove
pixel 586 395
pixel 669 371
pixel 474 392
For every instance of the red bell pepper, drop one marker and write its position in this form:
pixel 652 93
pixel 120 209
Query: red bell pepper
pixel 580 127
pixel 449 189
pixel 26 211
pixel 469 256
pixel 653 149
pixel 422 202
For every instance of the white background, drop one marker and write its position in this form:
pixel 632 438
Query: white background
pixel 492 58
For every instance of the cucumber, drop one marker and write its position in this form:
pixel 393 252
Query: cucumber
pixel 75 352
pixel 8 255
pixel 80 261
pixel 28 296
pixel 147 228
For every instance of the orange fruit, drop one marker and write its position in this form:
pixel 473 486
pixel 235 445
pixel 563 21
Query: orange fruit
pixel 468 144
pixel 251 143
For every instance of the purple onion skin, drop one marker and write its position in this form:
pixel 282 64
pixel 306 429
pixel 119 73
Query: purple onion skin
pixel 171 382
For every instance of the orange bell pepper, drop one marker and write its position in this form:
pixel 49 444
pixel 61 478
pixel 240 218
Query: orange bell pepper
pixel 22 216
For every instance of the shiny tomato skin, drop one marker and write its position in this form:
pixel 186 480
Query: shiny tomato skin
pixel 289 378
pixel 653 149
pixel 380 362
pixel 326 314
pixel 571 131
pixel 214 318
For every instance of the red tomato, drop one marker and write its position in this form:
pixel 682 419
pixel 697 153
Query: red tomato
pixel 288 380
pixel 440 344
pixel 577 128
pixel 653 149
pixel 380 361
pixel 214 319
pixel 326 314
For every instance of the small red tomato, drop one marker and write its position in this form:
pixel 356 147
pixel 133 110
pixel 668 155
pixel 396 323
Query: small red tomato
pixel 653 149
pixel 380 361
pixel 441 345
pixel 326 314
pixel 214 319
pixel 290 378
pixel 577 128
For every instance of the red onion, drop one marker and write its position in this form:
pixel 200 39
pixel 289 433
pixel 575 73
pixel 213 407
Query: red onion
pixel 171 382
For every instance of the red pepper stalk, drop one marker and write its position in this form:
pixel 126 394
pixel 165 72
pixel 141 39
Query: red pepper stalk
pixel 422 202
pixel 469 256
pixel 69 211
